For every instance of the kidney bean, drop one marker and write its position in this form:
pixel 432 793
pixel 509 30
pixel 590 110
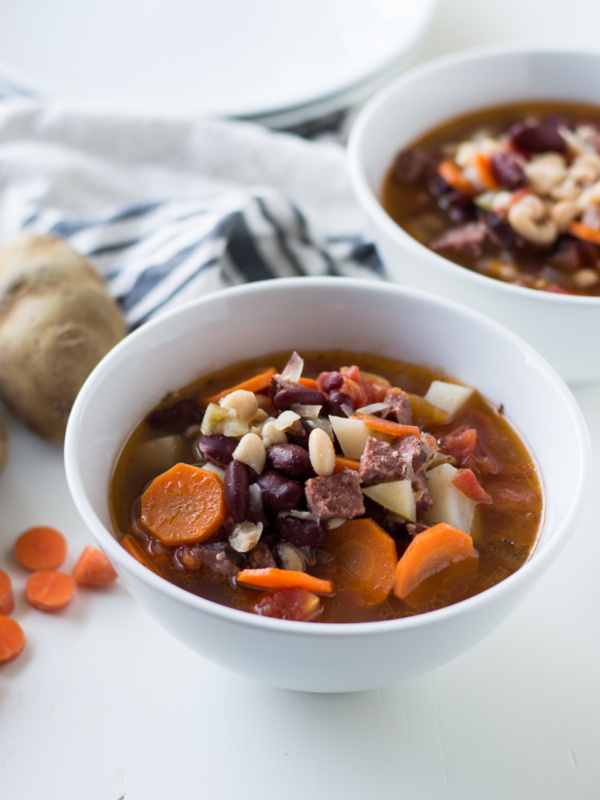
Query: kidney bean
pixel 176 417
pixel 236 488
pixel 507 171
pixel 301 532
pixel 301 440
pixel 334 404
pixel 331 381
pixel 410 165
pixel 279 493
pixel 501 232
pixel 460 207
pixel 217 448
pixel 437 186
pixel 291 459
pixel 287 397
pixel 536 137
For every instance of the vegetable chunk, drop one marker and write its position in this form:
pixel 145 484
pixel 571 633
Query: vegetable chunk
pixel 450 504
pixel 183 505
pixel 58 320
pixel 449 397
pixel 367 556
pixel 429 552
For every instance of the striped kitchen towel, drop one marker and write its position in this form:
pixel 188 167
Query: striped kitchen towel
pixel 170 209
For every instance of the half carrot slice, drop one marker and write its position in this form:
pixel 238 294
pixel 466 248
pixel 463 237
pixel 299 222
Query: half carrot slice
pixel 430 552
pixel 256 383
pixel 274 578
pixel 388 426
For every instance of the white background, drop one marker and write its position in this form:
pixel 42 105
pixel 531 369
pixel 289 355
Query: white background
pixel 105 705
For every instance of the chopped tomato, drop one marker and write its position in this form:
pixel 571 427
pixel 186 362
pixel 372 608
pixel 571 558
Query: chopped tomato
pixel 466 482
pixel 292 603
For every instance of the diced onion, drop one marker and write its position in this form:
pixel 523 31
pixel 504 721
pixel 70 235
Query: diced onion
pixel 374 408
pixel 293 369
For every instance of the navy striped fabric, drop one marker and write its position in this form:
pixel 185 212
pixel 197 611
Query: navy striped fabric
pixel 157 254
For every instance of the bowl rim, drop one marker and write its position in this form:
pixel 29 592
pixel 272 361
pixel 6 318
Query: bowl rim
pixel 112 548
pixel 368 198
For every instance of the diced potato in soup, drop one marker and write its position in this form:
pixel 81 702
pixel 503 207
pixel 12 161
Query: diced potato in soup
pixel 449 397
pixel 397 496
pixel 351 434
pixel 449 503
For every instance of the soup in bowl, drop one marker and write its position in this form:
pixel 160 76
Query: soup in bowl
pixel 408 394
pixel 479 174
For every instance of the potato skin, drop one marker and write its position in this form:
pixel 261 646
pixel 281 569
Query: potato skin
pixel 57 320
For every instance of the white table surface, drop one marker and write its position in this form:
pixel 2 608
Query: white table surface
pixel 105 705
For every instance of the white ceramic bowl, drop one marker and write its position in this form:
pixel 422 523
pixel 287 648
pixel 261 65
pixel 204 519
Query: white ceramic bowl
pixel 311 314
pixel 565 329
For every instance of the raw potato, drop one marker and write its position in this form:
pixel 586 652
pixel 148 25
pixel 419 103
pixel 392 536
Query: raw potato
pixel 57 320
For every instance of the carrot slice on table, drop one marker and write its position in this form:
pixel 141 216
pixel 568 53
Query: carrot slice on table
pixel 49 589
pixel 12 639
pixel 183 505
pixel 388 426
pixel 429 552
pixel 367 557
pixel 341 462
pixel 7 596
pixel 274 578
pixel 454 176
pixel 585 232
pixel 93 569
pixel 41 547
pixel 483 164
pixel 256 383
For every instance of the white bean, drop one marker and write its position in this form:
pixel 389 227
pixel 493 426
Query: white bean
pixel 545 171
pixel 585 278
pixel 321 452
pixel 271 434
pixel 529 218
pixel 563 213
pixel 251 451
pixel 243 403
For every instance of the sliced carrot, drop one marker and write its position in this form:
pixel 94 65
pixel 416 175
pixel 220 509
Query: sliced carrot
pixel 134 549
pixel 308 383
pixel 582 231
pixel 41 547
pixel 454 176
pixel 12 639
pixel 274 578
pixel 49 590
pixel 183 505
pixel 366 556
pixel 483 164
pixel 7 596
pixel 388 426
pixel 341 462
pixel 430 552
pixel 93 569
pixel 256 383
